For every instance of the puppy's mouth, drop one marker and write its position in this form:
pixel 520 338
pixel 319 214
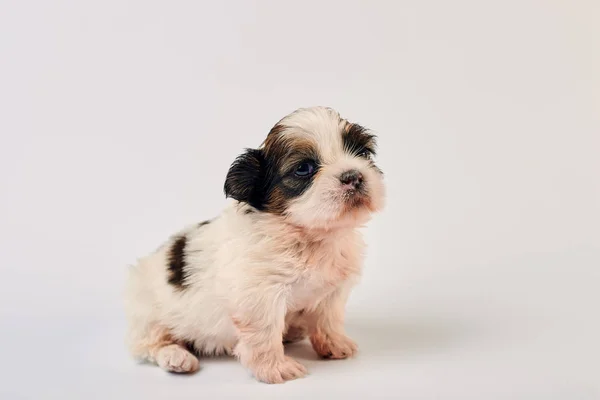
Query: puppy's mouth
pixel 354 198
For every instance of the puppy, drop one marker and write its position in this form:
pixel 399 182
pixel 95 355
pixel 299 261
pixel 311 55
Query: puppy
pixel 276 266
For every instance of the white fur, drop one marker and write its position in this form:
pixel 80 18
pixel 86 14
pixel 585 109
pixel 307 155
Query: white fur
pixel 253 276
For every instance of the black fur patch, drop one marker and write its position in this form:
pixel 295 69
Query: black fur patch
pixel 357 140
pixel 177 263
pixel 245 179
pixel 265 178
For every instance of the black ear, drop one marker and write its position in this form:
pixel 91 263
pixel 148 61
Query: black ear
pixel 244 180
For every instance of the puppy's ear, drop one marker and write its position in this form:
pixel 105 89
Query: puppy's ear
pixel 244 180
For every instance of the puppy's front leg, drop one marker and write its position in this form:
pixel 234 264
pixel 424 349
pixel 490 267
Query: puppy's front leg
pixel 326 327
pixel 260 322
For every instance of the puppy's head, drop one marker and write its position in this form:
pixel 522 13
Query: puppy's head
pixel 314 168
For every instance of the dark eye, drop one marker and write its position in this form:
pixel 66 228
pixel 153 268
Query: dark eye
pixel 305 169
pixel 364 153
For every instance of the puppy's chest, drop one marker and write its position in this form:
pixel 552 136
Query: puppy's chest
pixel 321 269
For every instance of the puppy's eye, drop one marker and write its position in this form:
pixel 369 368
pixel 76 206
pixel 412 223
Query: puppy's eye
pixel 364 153
pixel 306 168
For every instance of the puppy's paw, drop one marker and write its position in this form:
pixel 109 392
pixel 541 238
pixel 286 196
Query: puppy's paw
pixel 333 345
pixel 279 371
pixel 174 358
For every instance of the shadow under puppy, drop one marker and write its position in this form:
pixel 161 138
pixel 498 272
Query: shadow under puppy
pixel 276 265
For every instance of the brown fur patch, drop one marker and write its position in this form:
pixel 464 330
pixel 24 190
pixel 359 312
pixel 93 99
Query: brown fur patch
pixel 357 139
pixel 283 155
pixel 277 201
pixel 273 136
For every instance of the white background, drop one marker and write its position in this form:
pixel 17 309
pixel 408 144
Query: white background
pixel 119 119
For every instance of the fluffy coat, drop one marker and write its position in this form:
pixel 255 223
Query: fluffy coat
pixel 276 265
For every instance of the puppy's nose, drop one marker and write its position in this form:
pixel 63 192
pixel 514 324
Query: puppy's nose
pixel 352 178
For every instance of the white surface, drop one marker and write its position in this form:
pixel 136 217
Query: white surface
pixel 483 273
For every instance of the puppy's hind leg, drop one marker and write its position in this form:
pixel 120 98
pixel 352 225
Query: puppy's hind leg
pixel 162 349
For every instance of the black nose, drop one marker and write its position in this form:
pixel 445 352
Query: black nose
pixel 352 177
